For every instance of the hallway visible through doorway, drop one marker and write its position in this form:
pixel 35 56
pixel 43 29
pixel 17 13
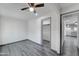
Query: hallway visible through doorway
pixel 70 30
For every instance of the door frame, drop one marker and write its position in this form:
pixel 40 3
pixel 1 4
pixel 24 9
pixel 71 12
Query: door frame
pixel 62 30
pixel 42 30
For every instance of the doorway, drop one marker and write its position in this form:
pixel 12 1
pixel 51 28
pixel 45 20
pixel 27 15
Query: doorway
pixel 69 34
pixel 46 32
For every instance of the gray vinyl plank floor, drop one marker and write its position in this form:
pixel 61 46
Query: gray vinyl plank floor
pixel 46 43
pixel 25 48
pixel 70 46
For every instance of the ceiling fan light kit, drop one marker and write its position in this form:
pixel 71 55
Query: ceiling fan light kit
pixel 32 7
pixel 36 14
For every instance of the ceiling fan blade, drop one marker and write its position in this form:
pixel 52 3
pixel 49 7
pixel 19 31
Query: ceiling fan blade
pixel 32 4
pixel 25 8
pixel 40 5
pixel 29 4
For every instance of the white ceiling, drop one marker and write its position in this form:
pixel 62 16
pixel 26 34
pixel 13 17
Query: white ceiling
pixel 64 5
pixel 13 9
pixel 67 7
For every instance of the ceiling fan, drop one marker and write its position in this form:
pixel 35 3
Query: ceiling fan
pixel 32 7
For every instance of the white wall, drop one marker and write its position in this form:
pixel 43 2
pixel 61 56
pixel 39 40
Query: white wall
pixel 35 28
pixel 34 31
pixel 0 31
pixel 12 30
pixel 70 8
